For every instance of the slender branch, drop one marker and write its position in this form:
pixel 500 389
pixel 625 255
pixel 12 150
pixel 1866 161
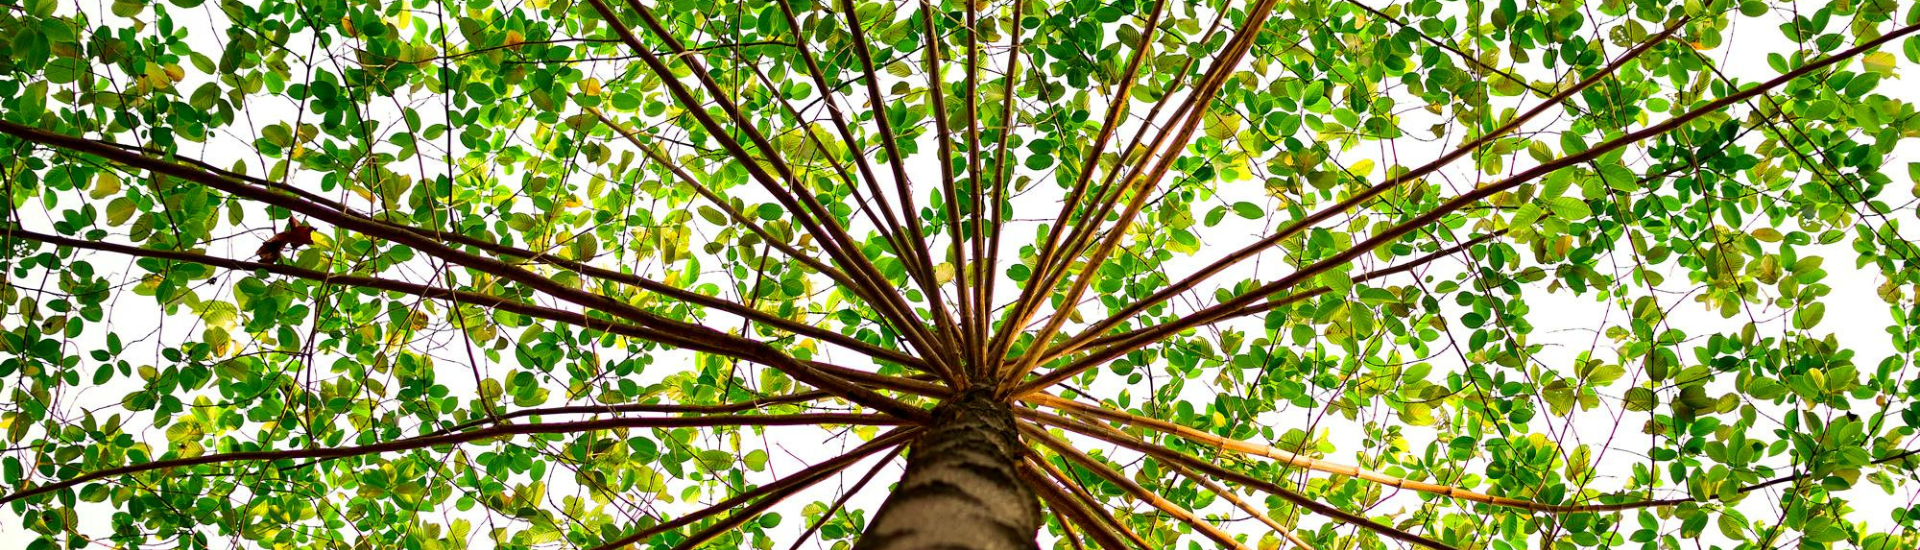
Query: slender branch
pixel 664 330
pixel 1349 203
pixel 956 250
pixel 589 270
pixel 1194 106
pixel 503 430
pixel 895 383
pixel 1110 435
pixel 1067 450
pixel 1028 301
pixel 800 479
pixel 1077 491
pixel 841 502
pixel 995 352
pixel 909 245
pixel 1277 303
pixel 832 238
pixel 977 185
pixel 1242 504
pixel 888 141
pixel 1067 507
pixel 1461 201
pixel 1296 460
pixel 739 217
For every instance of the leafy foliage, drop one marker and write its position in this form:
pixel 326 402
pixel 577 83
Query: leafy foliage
pixel 432 274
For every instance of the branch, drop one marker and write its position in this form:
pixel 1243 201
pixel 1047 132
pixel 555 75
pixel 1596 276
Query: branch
pixel 1193 107
pixel 835 241
pixel 1067 508
pixel 1376 190
pixel 943 139
pixel 1168 455
pixel 841 502
pixel 799 480
pixel 1242 504
pixel 1029 298
pixel 665 330
pixel 911 244
pixel 660 158
pixel 465 437
pixel 1400 230
pixel 1294 298
pixel 1076 491
pixel 1174 510
pixel 602 273
pixel 995 352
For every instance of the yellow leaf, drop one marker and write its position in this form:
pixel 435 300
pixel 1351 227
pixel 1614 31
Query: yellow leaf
pixel 1362 168
pixel 1880 62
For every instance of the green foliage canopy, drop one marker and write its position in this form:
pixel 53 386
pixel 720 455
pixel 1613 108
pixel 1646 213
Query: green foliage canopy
pixel 584 269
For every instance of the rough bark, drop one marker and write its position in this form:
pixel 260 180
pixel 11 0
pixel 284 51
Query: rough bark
pixel 961 489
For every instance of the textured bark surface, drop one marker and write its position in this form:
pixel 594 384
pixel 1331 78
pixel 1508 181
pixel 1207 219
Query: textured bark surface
pixel 961 489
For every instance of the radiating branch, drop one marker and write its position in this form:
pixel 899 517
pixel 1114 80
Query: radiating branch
pixel 503 430
pixel 841 502
pixel 1068 508
pixel 1077 492
pixel 1194 108
pixel 908 244
pixel 1297 297
pixel 800 479
pixel 799 202
pixel 1298 226
pixel 1242 504
pixel 943 139
pixel 1400 230
pixel 660 329
pixel 1164 454
pixel 1175 511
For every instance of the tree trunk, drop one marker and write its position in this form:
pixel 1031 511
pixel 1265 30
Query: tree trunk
pixel 960 490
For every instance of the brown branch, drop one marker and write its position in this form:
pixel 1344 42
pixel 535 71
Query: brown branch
pixel 1277 303
pixel 1194 107
pixel 1067 508
pixel 738 217
pixel 888 141
pixel 807 209
pixel 597 272
pixel 801 479
pixel 1040 281
pixel 841 502
pixel 908 247
pixel 465 437
pixel 1077 491
pixel 994 352
pixel 1370 193
pixel 1423 220
pixel 1067 450
pixel 943 139
pixel 664 330
pixel 1242 504
pixel 1164 454
pixel 1296 460
pixel 832 238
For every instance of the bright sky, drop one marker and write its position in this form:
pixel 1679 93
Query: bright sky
pixel 1565 323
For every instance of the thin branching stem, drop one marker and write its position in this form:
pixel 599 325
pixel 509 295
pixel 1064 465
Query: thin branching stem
pixel 1455 204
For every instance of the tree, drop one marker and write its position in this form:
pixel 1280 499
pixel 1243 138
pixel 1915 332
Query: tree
pixel 420 274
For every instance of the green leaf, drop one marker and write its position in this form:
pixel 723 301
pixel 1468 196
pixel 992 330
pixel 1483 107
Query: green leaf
pixel 1642 400
pixel 1248 210
pixel 119 210
pixel 1569 208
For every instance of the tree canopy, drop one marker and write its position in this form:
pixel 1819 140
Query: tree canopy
pixel 1316 274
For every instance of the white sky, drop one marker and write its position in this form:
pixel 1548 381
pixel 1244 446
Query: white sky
pixel 1563 322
